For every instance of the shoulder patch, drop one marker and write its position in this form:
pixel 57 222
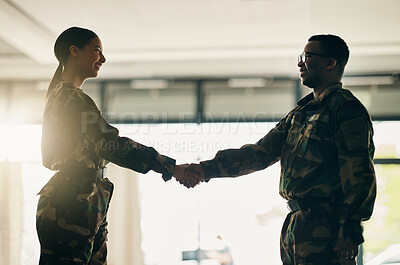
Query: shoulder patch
pixel 356 134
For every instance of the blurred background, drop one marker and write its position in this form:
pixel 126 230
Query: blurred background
pixel 190 78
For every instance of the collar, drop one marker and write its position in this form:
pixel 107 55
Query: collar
pixel 309 99
pixel 68 83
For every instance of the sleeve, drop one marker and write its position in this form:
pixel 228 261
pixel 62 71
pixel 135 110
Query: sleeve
pixel 355 146
pixel 249 158
pixel 82 115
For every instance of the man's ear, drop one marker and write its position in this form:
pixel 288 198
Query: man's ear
pixel 74 50
pixel 331 64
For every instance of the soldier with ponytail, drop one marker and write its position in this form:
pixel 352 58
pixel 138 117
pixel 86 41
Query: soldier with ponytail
pixel 77 143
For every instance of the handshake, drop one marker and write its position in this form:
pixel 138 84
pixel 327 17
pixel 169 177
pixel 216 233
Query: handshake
pixel 189 175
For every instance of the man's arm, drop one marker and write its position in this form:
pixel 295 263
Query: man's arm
pixel 245 160
pixel 355 154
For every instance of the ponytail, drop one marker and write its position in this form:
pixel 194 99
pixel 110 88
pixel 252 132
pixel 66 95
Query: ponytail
pixel 56 79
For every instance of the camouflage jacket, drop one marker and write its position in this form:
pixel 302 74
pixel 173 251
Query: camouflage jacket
pixel 75 134
pixel 325 149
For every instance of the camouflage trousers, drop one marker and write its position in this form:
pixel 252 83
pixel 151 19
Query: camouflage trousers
pixel 71 220
pixel 308 237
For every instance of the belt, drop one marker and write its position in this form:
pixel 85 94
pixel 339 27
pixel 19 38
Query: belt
pixel 306 203
pixel 87 172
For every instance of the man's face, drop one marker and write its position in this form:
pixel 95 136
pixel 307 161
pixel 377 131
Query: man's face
pixel 312 70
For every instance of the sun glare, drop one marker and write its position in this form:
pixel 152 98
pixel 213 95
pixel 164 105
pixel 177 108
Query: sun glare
pixel 20 143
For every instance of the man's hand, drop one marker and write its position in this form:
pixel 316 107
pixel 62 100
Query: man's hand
pixel 195 170
pixel 346 249
pixel 188 180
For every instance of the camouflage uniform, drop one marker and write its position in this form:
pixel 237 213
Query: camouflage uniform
pixel 326 152
pixel 77 142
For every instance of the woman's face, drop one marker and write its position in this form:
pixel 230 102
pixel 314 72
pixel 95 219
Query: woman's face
pixel 91 58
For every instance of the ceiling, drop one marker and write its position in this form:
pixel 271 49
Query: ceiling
pixel 152 38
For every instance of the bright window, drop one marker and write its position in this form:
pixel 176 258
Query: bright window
pixel 246 212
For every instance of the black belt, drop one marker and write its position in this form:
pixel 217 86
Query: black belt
pixel 87 172
pixel 306 203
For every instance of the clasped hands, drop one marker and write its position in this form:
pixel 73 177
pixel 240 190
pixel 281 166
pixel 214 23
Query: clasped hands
pixel 189 175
